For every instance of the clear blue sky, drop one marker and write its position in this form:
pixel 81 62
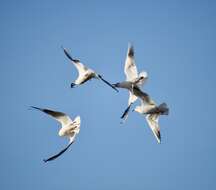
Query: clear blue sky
pixel 174 41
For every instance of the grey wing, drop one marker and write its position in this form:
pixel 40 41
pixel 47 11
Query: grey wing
pixel 152 121
pixel 132 98
pixel 130 68
pixel 142 95
pixel 59 154
pixel 80 67
pixel 59 116
pixel 126 112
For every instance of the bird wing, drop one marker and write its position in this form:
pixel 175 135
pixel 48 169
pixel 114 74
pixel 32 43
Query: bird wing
pixel 152 120
pixel 145 98
pixel 126 112
pixel 60 153
pixel 76 124
pixel 106 82
pixel 130 68
pixel 59 116
pixel 80 67
pixel 132 98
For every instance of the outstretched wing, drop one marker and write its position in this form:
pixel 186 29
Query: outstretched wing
pixel 126 112
pixel 142 95
pixel 60 153
pixel 106 82
pixel 131 100
pixel 152 120
pixel 76 122
pixel 59 116
pixel 80 67
pixel 130 66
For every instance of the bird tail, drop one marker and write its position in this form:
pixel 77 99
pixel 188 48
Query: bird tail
pixel 164 109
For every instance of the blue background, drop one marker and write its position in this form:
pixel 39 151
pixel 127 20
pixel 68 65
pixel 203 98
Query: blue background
pixel 174 42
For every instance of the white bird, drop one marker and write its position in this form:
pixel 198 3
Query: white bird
pixel 152 112
pixel 85 73
pixel 132 79
pixel 68 129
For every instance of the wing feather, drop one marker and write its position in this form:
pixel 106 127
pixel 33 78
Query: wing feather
pixel 152 121
pixel 130 66
pixel 59 116
pixel 59 154
pixel 80 67
pixel 132 98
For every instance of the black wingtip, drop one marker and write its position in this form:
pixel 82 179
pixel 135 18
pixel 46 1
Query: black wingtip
pixel 125 114
pixel 59 154
pixel 37 108
pixel 67 54
pixel 159 137
pixel 44 160
pixel 73 85
pixel 62 47
pixel 109 84
pixel 115 89
pixel 131 51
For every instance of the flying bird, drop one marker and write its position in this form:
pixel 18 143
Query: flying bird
pixel 151 111
pixel 68 129
pixel 133 79
pixel 85 73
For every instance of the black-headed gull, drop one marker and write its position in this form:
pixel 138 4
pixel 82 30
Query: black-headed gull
pixel 68 129
pixel 152 112
pixel 85 73
pixel 132 79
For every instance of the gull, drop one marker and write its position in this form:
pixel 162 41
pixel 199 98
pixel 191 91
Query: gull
pixel 68 129
pixel 151 111
pixel 85 73
pixel 133 79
